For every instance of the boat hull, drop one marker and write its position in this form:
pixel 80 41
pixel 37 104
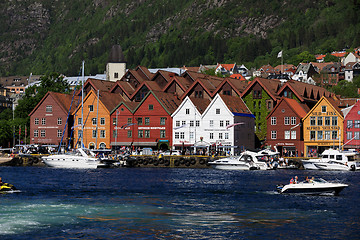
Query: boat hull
pixel 313 189
pixel 71 162
pixel 231 166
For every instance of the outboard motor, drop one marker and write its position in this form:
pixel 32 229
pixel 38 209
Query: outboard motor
pixel 352 167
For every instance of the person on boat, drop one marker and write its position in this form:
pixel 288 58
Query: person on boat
pixel 292 181
pixel 312 179
pixel 1 182
pixel 296 179
pixel 307 179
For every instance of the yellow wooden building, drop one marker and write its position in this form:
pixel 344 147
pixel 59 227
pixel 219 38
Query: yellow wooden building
pixel 322 127
pixel 96 114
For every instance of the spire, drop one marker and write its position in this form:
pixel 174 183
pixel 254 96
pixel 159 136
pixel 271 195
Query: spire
pixel 116 55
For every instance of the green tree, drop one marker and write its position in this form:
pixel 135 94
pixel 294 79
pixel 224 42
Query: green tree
pixel 330 58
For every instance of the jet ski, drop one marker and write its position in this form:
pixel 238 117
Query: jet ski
pixel 7 187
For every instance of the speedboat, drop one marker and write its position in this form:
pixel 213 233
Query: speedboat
pixel 7 187
pixel 246 161
pixel 314 187
pixel 332 159
pixel 78 158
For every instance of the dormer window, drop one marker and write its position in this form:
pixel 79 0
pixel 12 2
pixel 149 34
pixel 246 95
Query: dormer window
pixel 116 75
pixel 49 108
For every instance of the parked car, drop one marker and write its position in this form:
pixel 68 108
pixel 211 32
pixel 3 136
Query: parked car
pixel 173 152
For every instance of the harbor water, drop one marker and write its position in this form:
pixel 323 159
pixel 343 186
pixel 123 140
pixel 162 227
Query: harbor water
pixel 173 203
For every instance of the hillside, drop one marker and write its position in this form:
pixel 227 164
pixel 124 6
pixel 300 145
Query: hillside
pixel 41 36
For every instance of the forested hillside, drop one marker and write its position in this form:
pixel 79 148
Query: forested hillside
pixel 42 36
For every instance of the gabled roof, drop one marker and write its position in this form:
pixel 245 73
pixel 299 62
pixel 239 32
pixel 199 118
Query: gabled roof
pixel 299 109
pixel 330 101
pixel 200 103
pixel 236 85
pixel 145 71
pixel 235 104
pixel 102 85
pixel 285 68
pixel 167 100
pixel 350 65
pixel 320 56
pixel 352 108
pixel 227 67
pixel 301 89
pixel 129 105
pixel 271 86
pixel 183 83
pixel 125 86
pixel 339 54
pixel 267 69
pixel 62 99
pixel 238 76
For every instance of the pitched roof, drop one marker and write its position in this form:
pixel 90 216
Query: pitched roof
pixel 298 108
pixel 228 67
pixel 339 54
pixel 200 103
pixel 271 86
pixel 238 76
pixel 235 104
pixel 167 100
pixel 116 55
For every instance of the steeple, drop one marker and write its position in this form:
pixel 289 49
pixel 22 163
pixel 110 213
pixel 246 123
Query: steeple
pixel 116 66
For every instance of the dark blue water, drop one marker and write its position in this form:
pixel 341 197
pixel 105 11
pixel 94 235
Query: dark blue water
pixel 173 204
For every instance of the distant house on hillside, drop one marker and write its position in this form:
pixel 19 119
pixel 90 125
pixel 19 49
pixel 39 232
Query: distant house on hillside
pixel 225 69
pixel 352 69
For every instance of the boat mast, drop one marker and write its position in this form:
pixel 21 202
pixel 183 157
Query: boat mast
pixel 82 103
pixel 97 119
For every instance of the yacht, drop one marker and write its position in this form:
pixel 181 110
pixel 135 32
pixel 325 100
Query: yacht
pixel 78 158
pixel 248 160
pixel 332 159
pixel 315 187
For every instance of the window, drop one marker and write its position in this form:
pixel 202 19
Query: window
pixel 151 107
pixel 349 123
pixel 349 135
pixel 191 135
pixel 320 135
pixel 191 123
pixel 91 108
pixel 198 94
pixel 36 133
pixel 115 134
pixel 323 109
pixel 197 123
pixel 312 135
pixel 114 122
pixel 273 120
pixel 139 121
pixel 129 120
pixel 94 121
pixel 227 123
pixel 357 124
pixel 357 135
pixel 187 111
pixel 334 135
pixel 36 121
pixel 293 120
pixel 334 121
pixel 220 136
pixel 319 121
pixel 257 94
pixel 162 134
pixel 102 121
pixel 147 121
pixel 59 121
pixel 211 123
pixel 94 133
pixel 147 133
pixel 286 120
pixel 140 133
pixel 80 133
pixel 221 123
pixel 287 134
pixel 226 135
pixel 43 121
pixel 327 121
pixel 59 133
pixel 312 121
pixel 129 134
pixel 49 108
pixel 162 120
pixel 327 135
pixel 116 75
pixel 177 123
pixel 102 133
pixel 293 134
pixel 42 133
pixel 211 135
pixel 183 123
pixel 273 134
pixel 218 111
pixel 79 121
pixel 177 135
pixel 259 104
pixel 182 135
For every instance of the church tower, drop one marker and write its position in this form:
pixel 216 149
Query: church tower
pixel 116 66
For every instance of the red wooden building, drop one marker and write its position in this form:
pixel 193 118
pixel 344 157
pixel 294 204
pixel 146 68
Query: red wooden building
pixel 284 129
pixel 352 127
pixel 48 119
pixel 146 124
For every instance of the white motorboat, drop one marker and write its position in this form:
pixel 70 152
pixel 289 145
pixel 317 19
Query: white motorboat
pixel 78 158
pixel 314 187
pixel 332 159
pixel 248 160
pixel 243 162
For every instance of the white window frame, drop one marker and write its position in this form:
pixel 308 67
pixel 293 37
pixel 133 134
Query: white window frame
pixel 273 121
pixel 273 134
pixel 59 121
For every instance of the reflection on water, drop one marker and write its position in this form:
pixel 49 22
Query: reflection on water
pixel 171 204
